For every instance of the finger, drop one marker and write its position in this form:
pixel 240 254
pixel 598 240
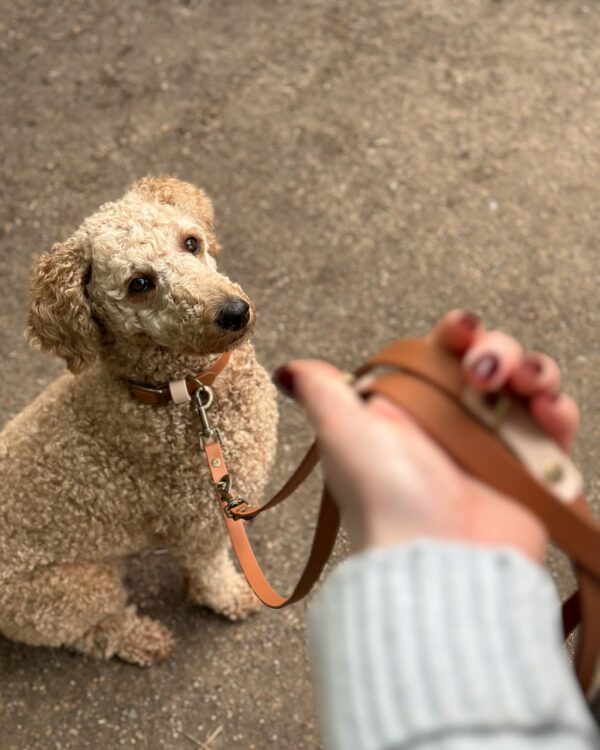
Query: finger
pixel 558 416
pixel 331 405
pixel 458 330
pixel 490 362
pixel 342 421
pixel 537 373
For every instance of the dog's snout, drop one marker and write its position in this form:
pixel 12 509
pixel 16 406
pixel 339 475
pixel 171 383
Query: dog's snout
pixel 234 314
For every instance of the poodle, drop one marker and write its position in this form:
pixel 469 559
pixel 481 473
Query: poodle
pixel 89 474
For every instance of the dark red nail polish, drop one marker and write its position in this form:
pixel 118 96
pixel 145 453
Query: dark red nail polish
pixel 532 367
pixel 285 380
pixel 470 320
pixel 485 367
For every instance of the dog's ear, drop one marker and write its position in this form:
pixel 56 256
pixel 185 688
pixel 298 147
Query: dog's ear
pixel 60 318
pixel 174 192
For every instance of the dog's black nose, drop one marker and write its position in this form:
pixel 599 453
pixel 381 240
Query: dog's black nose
pixel 234 315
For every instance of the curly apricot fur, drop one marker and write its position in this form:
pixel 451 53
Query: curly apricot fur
pixel 88 475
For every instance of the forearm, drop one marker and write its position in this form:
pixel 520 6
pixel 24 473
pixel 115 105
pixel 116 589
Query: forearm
pixel 437 644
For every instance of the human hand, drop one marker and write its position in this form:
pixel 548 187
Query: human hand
pixel 391 482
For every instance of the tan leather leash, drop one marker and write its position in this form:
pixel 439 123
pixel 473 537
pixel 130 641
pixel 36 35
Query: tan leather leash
pixel 488 441
pixel 235 509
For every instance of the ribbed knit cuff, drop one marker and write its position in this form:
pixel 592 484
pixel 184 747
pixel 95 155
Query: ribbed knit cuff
pixel 441 640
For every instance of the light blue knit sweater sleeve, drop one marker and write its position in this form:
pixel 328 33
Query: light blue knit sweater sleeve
pixel 437 645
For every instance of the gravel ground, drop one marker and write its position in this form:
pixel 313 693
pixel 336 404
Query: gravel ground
pixel 372 163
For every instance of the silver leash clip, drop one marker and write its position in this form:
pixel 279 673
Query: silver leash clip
pixel 203 399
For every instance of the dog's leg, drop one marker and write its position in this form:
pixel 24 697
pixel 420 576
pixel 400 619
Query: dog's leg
pixel 83 607
pixel 214 582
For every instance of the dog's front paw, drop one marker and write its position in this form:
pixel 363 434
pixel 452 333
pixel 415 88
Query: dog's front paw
pixel 235 601
pixel 147 643
pixel 134 638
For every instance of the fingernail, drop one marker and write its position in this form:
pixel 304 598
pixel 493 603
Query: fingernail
pixel 285 380
pixel 485 367
pixel 470 320
pixel 532 367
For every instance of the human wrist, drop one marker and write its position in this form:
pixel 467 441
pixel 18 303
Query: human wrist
pixel 482 523
pixel 380 526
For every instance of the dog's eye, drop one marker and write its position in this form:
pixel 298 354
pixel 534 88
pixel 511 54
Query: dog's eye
pixel 192 245
pixel 140 285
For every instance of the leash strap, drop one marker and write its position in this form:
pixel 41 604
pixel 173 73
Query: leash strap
pixel 235 509
pixel 326 530
pixel 427 381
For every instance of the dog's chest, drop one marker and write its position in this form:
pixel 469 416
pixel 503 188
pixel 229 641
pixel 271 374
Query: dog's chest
pixel 245 416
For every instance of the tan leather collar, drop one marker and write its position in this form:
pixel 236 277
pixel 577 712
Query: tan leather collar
pixel 178 391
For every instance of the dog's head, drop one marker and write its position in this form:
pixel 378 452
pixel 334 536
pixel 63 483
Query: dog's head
pixel 140 270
